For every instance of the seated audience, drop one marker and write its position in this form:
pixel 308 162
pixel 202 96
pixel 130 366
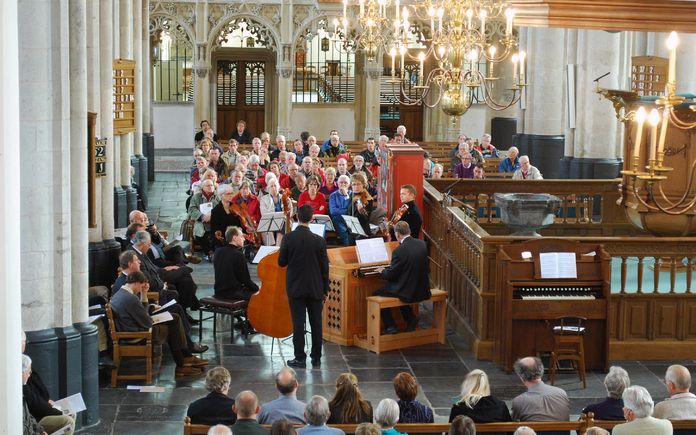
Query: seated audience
pixel 540 402
pixel 317 413
pixel 249 202
pixel 232 279
pixel 428 165
pixel 486 148
pixel 300 150
pixel 313 197
pixel 205 127
pixel 272 202
pixel 368 153
pixel 290 159
pixel 255 172
pixel 410 410
pixel 300 187
pixel 315 150
pixel 361 202
pixel 681 404
pixel 638 409
pixel 161 253
pixel 347 405
pixel 216 407
pixel 208 175
pixel 615 382
pixel 462 425
pixel 339 203
pixel 283 427
pixel 246 406
pixel 216 163
pixel 290 180
pixel 237 178
pixel 342 167
pixel 29 423
pixel 201 226
pixel 386 416
pixel 231 156
pixel 219 429
pixel 524 430
pixel 131 316
pixel 280 147
pixel 335 147
pixel 438 171
pixel 39 405
pixel 465 168
pixel 367 429
pixel 286 406
pixel 306 167
pixel 241 134
pixel 317 169
pixel 479 174
pixel 199 170
pixel 223 216
pixel 526 171
pixel 401 131
pixel 329 185
pixel 511 163
pixel 359 166
pixel 594 430
pixel 476 401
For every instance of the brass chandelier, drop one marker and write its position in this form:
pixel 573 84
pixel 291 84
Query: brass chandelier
pixel 457 44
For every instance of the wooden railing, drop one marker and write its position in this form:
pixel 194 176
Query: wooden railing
pixel 652 309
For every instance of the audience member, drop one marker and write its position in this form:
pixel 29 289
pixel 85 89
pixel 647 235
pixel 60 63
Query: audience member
pixel 216 407
pixel 594 430
pixel 540 402
pixel 255 172
pixel 313 197
pixel 462 425
pixel 29 423
pixel 306 167
pixel 524 430
pixel 272 202
pixel 315 150
pixel 367 429
pixel 479 173
pixel 526 171
pixel 241 134
pixel 361 202
pixel 681 404
pixel 511 163
pixel 40 406
pixel 339 203
pixel 231 156
pixel 386 416
pixel 246 406
pixel 410 410
pixel 290 180
pixel 216 163
pixel 205 126
pixel 438 171
pixel 286 406
pixel 280 146
pixel 359 166
pixel 300 187
pixel 327 143
pixel 428 165
pixel 232 279
pixel 161 253
pixel 199 170
pixel 342 167
pixel 300 151
pixel 638 409
pixel 249 203
pixel 317 413
pixel 335 147
pixel 401 131
pixel 368 153
pixel 201 215
pixel 283 427
pixel 476 401
pixel 615 382
pixel 347 405
pixel 290 158
pixel 206 145
pixel 486 148
pixel 219 429
pixel 465 168
pixel 128 262
pixel 330 185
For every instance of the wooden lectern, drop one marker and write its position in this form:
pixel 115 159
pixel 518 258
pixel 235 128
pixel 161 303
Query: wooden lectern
pixel 345 310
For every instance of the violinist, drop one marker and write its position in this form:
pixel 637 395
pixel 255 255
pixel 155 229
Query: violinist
pixel 223 216
pixel 232 279
pixel 408 212
pixel 361 202
pixel 249 202
pixel 272 203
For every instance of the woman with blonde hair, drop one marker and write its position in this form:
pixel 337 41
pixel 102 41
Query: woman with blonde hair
pixel 476 401
pixel 347 405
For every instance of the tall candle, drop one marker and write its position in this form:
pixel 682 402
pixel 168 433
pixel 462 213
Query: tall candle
pixel 469 17
pixel 392 52
pixel 640 119
pixel 345 6
pixel 362 8
pixel 523 56
pixel 482 15
pixel 509 14
pixel 672 43
pixel 421 58
pixel 653 120
pixel 663 131
pixel 515 58
pixel 397 9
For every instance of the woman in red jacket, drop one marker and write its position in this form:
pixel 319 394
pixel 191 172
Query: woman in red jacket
pixel 313 197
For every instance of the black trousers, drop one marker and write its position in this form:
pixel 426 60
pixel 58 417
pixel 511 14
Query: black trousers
pixel 300 309
pixel 386 313
pixel 173 333
pixel 183 283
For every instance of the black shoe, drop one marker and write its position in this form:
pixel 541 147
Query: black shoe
pixel 297 363
pixel 412 326
pixel 316 363
pixel 105 361
pixel 390 330
pixel 198 348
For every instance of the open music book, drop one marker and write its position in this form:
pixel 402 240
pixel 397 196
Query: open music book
pixel 372 250
pixel 557 265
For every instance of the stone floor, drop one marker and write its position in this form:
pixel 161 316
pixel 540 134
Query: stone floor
pixel 440 369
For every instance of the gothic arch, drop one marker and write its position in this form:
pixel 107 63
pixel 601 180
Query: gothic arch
pixel 252 13
pixel 157 23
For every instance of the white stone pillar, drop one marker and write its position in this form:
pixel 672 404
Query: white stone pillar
pixel 204 104
pixel 146 97
pixel 284 71
pixel 10 300
pixel 116 53
pixel 78 159
pixel 93 102
pixel 373 72
pixel 137 56
pixel 106 56
pixel 126 52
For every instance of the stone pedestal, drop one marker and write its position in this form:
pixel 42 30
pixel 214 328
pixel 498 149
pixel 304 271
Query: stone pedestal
pixel 525 213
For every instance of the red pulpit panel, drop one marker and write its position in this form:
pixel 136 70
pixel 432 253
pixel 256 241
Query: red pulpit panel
pixel 399 164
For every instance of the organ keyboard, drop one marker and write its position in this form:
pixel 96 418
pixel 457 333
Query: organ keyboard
pixel 530 293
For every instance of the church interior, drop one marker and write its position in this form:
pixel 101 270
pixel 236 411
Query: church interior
pixel 597 250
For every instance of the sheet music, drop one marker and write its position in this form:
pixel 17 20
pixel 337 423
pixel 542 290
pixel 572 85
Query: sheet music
pixel 324 219
pixel 165 316
pixel 71 404
pixel 557 265
pixel 263 251
pixel 165 306
pixel 271 222
pixel 318 229
pixel 372 250
pixel 206 207
pixel 353 225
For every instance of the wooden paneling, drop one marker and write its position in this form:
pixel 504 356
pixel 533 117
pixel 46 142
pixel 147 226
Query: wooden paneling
pixel 665 318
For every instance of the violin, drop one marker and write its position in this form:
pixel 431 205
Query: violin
pixel 364 197
pixel 287 209
pixel 247 222
pixel 398 214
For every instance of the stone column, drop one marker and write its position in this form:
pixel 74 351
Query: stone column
pixel 126 52
pixel 373 72
pixel 78 158
pixel 136 21
pixel 284 71
pixel 93 102
pixel 201 67
pixel 106 56
pixel 10 301
pixel 146 68
pixel 120 206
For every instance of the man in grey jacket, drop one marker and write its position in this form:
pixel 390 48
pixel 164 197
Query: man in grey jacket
pixel 540 402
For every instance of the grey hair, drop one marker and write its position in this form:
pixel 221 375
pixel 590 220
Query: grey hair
pixel 344 177
pixel 358 157
pixel 254 159
pixel 529 372
pixel 219 429
pixel 679 376
pixel 217 379
pixel 384 138
pixel 270 175
pixel 294 156
pixel 306 158
pixel 594 430
pixel 437 165
pixel 335 136
pixel 26 363
pixel 638 400
pixel 141 237
pixel 280 136
pixel 524 430
pixel 300 176
pixel 387 413
pixel 315 145
pixel 401 129
pixel 524 157
pixel 514 149
pixel 224 189
pixel 616 381
pixel 486 136
pixel 317 411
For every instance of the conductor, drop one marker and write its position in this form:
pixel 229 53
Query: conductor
pixel 307 284
pixel 407 277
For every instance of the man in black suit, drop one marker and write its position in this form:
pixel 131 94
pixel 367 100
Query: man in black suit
pixel 411 215
pixel 407 277
pixel 232 279
pixel 241 134
pixel 307 284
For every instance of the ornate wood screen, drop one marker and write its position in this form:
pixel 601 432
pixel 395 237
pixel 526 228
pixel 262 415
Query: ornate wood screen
pixel 124 96
pixel 241 95
pixel 649 75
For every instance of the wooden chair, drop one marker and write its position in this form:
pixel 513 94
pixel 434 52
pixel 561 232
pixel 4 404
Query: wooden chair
pixel 234 308
pixel 568 345
pixel 194 429
pixel 129 344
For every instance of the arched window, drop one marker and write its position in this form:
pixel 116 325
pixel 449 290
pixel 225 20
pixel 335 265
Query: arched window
pixel 244 33
pixel 172 61
pixel 324 68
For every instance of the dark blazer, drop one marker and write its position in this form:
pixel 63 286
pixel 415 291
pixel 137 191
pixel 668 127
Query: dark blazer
pixel 150 270
pixel 608 409
pixel 36 396
pixel 244 138
pixel 232 274
pixel 304 253
pixel 487 410
pixel 215 408
pixel 119 283
pixel 249 426
pixel 407 275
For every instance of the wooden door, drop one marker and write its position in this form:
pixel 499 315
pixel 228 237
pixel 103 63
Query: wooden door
pixel 241 95
pixel 392 114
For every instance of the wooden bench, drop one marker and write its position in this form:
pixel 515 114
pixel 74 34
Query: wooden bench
pixel 234 308
pixel 376 342
pixel 129 344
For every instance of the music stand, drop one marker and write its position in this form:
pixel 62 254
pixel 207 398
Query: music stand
pixel 325 220
pixel 354 226
pixel 271 222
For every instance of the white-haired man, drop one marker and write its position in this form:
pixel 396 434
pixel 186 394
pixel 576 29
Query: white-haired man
pixel 317 414
pixel 638 409
pixel 527 171
pixel 280 146
pixel 540 402
pixel 339 201
pixel 681 404
pixel 511 163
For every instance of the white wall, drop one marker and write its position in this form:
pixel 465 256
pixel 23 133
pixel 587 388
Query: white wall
pixel 318 121
pixel 172 125
pixel 473 122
